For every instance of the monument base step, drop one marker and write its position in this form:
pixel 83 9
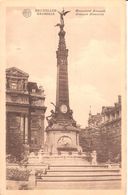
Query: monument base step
pixel 82 173
pixel 96 185
pixel 59 159
pixel 63 175
pixel 77 179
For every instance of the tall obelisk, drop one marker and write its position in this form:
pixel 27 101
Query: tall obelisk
pixel 62 93
pixel 62 131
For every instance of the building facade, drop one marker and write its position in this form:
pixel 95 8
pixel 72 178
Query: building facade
pixel 25 109
pixel 103 133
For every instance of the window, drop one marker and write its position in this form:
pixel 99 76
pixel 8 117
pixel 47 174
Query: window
pixel 13 85
pixel 33 90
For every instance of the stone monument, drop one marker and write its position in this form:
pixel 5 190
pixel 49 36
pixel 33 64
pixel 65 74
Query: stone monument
pixel 62 131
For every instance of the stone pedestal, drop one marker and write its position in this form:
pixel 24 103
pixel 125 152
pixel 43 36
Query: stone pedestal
pixel 62 139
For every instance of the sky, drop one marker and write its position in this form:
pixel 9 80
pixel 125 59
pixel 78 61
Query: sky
pixel 94 60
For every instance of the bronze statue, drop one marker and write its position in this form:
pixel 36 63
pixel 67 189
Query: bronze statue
pixel 62 14
pixel 51 118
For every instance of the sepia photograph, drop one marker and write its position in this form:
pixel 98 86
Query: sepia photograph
pixel 64 97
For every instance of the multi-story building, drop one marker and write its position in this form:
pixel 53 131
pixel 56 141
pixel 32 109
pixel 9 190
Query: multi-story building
pixel 103 133
pixel 111 130
pixel 25 109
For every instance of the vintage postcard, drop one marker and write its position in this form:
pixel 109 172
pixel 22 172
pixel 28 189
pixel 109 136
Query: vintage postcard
pixel 63 97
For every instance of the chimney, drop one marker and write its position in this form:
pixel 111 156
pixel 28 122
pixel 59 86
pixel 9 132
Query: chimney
pixel 119 99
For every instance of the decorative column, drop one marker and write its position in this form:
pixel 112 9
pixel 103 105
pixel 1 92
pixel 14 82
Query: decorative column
pixel 62 94
pixel 26 128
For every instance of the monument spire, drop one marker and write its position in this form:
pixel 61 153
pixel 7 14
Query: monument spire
pixel 62 130
pixel 62 93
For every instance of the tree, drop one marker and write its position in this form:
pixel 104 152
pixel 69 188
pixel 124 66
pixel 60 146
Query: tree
pixel 14 145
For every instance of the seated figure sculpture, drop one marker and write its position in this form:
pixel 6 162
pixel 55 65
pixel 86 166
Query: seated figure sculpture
pixel 51 118
pixel 71 118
